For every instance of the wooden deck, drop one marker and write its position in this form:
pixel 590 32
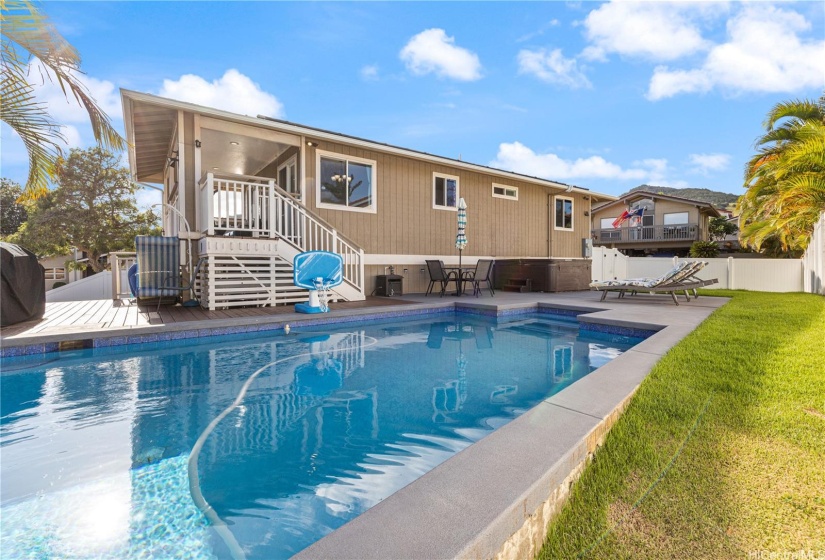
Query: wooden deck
pixel 101 315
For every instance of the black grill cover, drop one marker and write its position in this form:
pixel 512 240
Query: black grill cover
pixel 23 286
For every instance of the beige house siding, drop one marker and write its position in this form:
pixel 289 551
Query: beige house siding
pixel 407 224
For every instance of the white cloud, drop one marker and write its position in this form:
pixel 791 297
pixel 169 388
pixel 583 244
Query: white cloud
pixel 65 108
pixel 369 72
pixel 146 198
pixel 432 51
pixel 534 34
pixel 650 30
pixel 517 157
pixel 702 163
pixel 552 67
pixel 232 92
pixel 72 136
pixel 764 53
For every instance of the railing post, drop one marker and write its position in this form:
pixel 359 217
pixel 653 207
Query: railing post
pixel 115 276
pixel 360 280
pixel 334 243
pixel 210 202
pixel 272 212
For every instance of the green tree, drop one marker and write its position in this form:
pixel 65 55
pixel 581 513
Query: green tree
pixel 720 228
pixel 704 250
pixel 92 208
pixel 785 180
pixel 13 214
pixel 29 35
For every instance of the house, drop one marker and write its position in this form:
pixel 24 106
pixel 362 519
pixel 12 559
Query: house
pixel 57 271
pixel 668 224
pixel 256 191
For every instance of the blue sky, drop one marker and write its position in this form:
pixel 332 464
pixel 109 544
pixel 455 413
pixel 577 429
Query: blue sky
pixel 606 96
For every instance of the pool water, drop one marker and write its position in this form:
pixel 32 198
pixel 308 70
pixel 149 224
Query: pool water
pixel 103 453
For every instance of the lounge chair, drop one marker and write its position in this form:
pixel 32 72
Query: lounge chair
pixel 159 270
pixel 438 274
pixel 481 274
pixel 680 278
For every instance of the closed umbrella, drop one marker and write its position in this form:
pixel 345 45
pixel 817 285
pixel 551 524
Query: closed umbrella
pixel 461 236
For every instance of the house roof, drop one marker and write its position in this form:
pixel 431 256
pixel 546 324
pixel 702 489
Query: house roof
pixel 635 195
pixel 150 123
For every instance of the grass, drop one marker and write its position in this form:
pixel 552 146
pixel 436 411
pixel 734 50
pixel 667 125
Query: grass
pixel 721 453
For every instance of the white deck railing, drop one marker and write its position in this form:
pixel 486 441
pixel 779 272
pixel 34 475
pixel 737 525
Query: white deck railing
pixel 121 261
pixel 258 207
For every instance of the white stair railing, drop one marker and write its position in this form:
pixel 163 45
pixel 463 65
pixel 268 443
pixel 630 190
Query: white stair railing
pixel 258 207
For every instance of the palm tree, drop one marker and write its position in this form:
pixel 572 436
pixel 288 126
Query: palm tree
pixel 785 180
pixel 28 35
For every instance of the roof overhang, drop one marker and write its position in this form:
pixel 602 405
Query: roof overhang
pixel 144 114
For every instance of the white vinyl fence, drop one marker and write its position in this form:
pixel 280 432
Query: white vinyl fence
pixel 764 275
pixel 96 286
pixel 813 261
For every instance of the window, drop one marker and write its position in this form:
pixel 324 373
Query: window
pixel 345 183
pixel 607 223
pixel 55 273
pixel 445 191
pixel 288 176
pixel 505 191
pixel 564 213
pixel 675 218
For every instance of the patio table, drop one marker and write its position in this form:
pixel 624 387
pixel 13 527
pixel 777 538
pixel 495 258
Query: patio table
pixel 459 286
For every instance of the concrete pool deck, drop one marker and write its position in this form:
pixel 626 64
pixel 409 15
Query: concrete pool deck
pixel 495 498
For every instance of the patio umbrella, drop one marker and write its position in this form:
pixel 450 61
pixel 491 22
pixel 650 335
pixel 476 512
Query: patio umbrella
pixel 461 236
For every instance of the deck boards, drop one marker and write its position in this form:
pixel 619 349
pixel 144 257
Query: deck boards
pixel 97 316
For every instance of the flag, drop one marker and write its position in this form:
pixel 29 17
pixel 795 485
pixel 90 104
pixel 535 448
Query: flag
pixel 620 220
pixel 627 214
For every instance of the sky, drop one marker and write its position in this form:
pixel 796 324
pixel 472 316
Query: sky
pixel 605 96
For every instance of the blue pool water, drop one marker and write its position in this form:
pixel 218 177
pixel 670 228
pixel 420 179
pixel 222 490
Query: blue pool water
pixel 103 453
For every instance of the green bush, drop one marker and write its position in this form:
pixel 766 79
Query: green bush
pixel 58 285
pixel 704 250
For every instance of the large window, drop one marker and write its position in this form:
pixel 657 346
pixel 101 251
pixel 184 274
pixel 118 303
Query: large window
pixel 445 191
pixel 345 183
pixel 607 223
pixel 564 213
pixel 675 218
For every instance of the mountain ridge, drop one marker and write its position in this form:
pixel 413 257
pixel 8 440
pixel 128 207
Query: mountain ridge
pixel 717 198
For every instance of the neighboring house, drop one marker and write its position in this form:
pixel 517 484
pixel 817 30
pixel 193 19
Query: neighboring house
pixel 256 191
pixel 57 270
pixel 669 224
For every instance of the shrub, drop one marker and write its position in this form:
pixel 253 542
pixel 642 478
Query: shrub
pixel 704 250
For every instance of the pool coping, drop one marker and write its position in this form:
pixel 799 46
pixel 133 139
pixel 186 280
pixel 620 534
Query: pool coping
pixel 496 498
pixel 41 344
pixel 464 508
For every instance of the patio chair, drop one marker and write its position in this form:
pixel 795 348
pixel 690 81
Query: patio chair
pixel 678 279
pixel 159 270
pixel 482 273
pixel 438 274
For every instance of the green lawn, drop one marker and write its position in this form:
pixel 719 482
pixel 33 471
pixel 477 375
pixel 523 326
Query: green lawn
pixel 721 453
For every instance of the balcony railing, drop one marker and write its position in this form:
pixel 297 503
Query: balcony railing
pixel 257 207
pixel 120 262
pixel 647 234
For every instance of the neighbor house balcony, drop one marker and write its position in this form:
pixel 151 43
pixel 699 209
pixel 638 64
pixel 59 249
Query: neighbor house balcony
pixel 644 235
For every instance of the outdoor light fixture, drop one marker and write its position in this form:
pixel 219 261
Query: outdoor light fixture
pixel 197 143
pixel 233 143
pixel 312 144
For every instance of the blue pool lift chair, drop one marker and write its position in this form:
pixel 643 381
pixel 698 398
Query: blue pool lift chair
pixel 317 271
pixel 159 271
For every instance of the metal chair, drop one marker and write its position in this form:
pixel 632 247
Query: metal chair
pixel 438 274
pixel 479 275
pixel 159 270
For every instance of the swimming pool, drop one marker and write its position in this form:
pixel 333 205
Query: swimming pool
pixel 106 453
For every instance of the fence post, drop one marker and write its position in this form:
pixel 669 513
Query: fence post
pixel 115 276
pixel 731 277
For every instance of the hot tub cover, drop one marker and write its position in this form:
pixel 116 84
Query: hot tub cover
pixel 22 285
